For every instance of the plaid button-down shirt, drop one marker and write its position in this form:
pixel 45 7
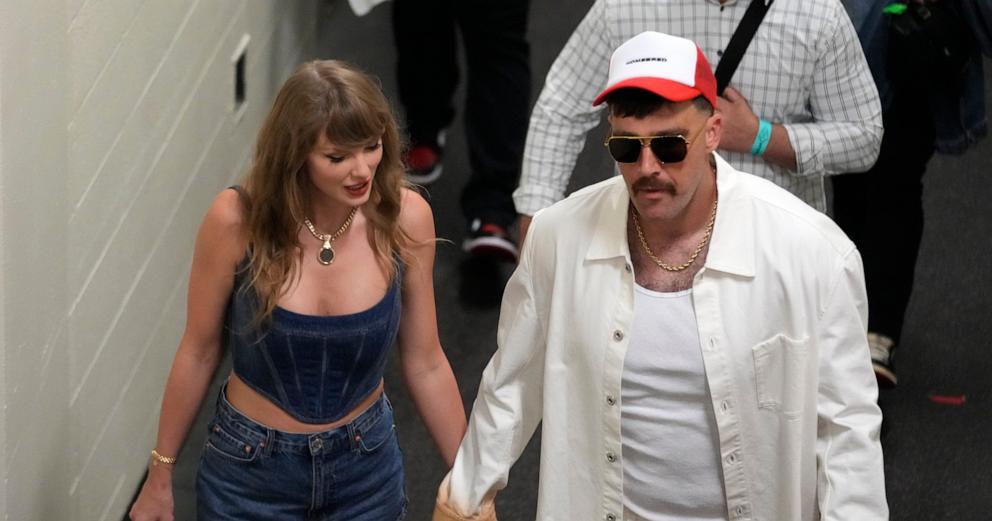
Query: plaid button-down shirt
pixel 804 69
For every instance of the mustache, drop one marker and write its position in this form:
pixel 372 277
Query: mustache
pixel 653 183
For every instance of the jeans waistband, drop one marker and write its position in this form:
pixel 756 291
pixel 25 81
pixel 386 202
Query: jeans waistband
pixel 338 439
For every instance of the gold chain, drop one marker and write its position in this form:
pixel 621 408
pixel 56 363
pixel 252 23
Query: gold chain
pixel 686 264
pixel 326 254
pixel 323 236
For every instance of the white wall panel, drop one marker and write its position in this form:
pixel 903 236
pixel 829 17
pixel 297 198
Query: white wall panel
pixel 125 133
pixel 36 441
pixel 120 89
pixel 96 34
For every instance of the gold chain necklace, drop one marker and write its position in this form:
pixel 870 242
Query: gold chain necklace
pixel 326 254
pixel 686 264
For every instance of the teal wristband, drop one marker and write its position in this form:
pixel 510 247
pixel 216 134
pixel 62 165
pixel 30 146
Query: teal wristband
pixel 762 139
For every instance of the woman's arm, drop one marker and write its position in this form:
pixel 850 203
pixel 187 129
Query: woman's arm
pixel 425 368
pixel 219 248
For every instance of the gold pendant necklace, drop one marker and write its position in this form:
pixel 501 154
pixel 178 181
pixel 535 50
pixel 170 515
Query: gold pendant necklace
pixel 326 254
pixel 699 248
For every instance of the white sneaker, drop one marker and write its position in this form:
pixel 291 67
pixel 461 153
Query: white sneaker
pixel 881 348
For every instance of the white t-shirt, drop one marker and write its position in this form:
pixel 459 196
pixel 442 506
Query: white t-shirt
pixel 671 450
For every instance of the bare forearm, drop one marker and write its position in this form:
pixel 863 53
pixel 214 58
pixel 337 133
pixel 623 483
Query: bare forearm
pixel 741 128
pixel 741 138
pixel 185 389
pixel 780 151
pixel 436 397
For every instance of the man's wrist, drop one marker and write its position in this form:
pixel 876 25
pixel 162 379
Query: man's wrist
pixel 762 138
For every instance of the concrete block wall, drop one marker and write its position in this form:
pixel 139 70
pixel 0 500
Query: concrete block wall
pixel 118 126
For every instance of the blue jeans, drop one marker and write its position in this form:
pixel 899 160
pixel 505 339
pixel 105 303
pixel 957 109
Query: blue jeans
pixel 251 472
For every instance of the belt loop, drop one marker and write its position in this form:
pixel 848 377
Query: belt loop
pixel 266 444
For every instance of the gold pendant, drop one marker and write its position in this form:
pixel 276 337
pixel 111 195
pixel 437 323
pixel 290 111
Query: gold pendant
pixel 326 254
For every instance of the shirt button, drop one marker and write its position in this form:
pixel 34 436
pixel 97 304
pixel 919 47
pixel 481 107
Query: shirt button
pixel 611 457
pixel 611 517
pixel 719 52
pixel 618 335
pixel 740 511
pixel 732 458
pixel 725 406
pixel 627 268
pixel 610 400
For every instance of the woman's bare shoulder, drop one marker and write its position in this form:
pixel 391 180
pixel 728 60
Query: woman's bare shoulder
pixel 223 228
pixel 227 209
pixel 416 217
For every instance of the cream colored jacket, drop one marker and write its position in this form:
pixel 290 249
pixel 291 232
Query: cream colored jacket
pixel 781 310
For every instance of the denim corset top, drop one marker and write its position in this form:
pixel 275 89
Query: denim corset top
pixel 316 368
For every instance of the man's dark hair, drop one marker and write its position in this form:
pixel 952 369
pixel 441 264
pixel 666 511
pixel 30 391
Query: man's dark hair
pixel 639 103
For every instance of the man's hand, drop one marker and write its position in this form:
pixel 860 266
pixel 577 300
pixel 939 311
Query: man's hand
pixel 740 125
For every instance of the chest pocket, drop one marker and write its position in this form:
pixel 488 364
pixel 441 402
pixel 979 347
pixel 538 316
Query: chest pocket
pixel 780 374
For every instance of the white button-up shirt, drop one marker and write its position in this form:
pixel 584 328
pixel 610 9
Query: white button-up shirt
pixel 804 69
pixel 781 311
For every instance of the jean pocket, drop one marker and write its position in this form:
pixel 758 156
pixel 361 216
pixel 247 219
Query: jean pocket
pixel 375 436
pixel 780 374
pixel 222 442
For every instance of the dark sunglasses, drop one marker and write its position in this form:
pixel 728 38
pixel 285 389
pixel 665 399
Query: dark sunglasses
pixel 668 149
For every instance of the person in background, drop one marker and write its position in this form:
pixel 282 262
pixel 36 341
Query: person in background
pixel 803 79
pixel 493 35
pixel 307 275
pixel 926 58
pixel 691 337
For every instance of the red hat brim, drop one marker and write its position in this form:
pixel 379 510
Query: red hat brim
pixel 668 89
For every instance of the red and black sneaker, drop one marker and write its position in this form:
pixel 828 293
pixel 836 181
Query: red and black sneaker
pixel 423 164
pixel 490 240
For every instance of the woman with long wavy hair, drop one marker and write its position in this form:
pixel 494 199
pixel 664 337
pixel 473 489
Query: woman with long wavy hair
pixel 307 275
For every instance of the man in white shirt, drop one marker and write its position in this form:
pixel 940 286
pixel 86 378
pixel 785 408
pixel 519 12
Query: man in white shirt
pixel 804 73
pixel 692 337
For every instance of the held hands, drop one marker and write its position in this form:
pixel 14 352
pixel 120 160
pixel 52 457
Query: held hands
pixel 740 124
pixel 155 502
pixel 443 511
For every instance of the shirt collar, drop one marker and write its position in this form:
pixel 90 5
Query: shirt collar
pixel 732 243
pixel 609 238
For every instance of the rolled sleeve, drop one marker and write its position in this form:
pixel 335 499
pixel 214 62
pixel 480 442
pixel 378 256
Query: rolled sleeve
pixel 846 131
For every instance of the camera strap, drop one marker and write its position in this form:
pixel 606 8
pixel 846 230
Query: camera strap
pixel 739 42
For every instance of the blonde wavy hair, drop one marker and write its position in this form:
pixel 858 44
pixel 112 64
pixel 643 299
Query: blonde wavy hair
pixel 348 106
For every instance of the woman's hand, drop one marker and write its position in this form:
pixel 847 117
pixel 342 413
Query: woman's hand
pixel 155 502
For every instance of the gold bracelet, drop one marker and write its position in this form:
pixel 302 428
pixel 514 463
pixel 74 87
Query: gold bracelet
pixel 163 459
